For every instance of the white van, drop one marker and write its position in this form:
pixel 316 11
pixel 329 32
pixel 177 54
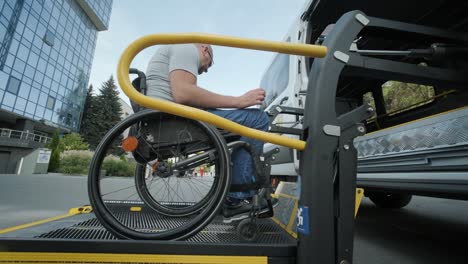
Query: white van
pixel 422 156
pixel 285 81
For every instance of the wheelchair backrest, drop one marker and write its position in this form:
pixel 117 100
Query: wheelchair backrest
pixel 140 85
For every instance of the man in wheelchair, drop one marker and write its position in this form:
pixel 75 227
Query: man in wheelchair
pixel 172 75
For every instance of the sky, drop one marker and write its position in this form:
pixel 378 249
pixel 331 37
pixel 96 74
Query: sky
pixel 235 71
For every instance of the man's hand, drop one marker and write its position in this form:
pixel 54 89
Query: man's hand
pixel 185 91
pixel 252 97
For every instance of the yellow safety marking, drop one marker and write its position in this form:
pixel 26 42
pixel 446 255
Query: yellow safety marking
pixel 287 196
pixel 289 231
pixel 417 120
pixel 135 209
pixel 197 114
pixel 80 210
pixel 292 218
pixel 71 212
pixel 39 257
pixel 359 195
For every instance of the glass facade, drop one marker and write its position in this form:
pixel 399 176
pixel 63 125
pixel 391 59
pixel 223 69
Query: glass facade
pixel 101 9
pixel 46 56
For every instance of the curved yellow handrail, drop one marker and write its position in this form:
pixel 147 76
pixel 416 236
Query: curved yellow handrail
pixel 194 113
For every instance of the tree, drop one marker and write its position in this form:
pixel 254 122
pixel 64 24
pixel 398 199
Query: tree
pixel 89 129
pixel 111 109
pixel 108 110
pixel 101 113
pixel 54 162
pixel 109 101
pixel 72 141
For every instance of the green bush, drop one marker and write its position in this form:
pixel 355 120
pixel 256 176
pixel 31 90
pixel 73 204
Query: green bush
pixel 118 167
pixel 75 162
pixel 72 141
pixel 78 161
pixel 54 163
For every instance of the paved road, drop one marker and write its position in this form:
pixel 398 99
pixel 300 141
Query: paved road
pixel 428 230
pixel 24 199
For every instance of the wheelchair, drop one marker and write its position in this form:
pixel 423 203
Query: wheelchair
pixel 166 198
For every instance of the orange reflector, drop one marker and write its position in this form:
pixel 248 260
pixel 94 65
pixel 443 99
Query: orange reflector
pixel 154 165
pixel 129 144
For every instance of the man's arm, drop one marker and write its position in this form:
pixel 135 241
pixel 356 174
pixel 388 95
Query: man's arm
pixel 185 91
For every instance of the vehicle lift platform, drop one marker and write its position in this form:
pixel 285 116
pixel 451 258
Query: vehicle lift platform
pixel 65 238
pixel 328 162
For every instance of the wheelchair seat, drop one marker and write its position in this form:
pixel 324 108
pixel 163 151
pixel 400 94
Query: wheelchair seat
pixel 140 87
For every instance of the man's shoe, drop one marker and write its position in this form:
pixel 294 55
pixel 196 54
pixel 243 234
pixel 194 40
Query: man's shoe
pixel 241 210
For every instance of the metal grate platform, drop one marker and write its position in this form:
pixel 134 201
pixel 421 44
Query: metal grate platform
pixel 216 232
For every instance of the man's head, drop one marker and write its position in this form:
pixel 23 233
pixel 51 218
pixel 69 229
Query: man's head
pixel 206 57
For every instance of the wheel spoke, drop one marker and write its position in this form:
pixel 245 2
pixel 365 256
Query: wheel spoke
pixel 165 192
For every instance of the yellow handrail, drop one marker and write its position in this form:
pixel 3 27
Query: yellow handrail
pixel 194 113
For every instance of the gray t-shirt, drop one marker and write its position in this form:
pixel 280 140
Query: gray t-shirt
pixel 166 59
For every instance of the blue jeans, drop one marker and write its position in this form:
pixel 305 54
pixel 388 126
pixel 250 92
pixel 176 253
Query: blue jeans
pixel 243 171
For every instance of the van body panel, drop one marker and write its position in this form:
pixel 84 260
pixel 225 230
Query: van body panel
pixel 395 158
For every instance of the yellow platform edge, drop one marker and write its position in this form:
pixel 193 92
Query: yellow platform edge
pixel 71 212
pixel 38 257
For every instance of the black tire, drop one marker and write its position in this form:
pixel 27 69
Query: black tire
pixel 118 223
pixel 390 200
pixel 247 230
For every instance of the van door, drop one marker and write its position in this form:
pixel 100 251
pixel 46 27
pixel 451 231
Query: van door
pixel 301 84
pixel 278 82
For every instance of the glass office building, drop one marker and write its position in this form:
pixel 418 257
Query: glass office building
pixel 46 53
pixel 47 49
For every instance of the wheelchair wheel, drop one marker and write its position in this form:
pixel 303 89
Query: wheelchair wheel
pixel 182 194
pixel 155 193
pixel 247 230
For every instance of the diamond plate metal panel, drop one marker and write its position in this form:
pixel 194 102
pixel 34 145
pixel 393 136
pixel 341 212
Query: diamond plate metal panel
pixel 432 135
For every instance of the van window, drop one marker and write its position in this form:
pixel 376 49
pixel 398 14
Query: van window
pixel 276 78
pixel 400 96
pixel 369 99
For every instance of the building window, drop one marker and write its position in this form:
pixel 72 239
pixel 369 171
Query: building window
pixel 50 102
pixel 49 38
pixel 13 85
pixel 68 119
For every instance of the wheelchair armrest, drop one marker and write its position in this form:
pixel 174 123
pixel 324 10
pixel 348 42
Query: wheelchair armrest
pixel 268 154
